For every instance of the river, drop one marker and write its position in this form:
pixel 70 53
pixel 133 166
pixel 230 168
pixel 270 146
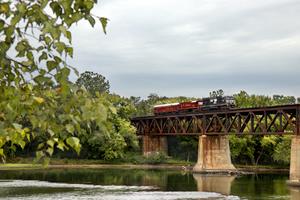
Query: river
pixel 137 184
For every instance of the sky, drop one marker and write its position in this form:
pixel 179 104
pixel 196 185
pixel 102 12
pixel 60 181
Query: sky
pixel 192 47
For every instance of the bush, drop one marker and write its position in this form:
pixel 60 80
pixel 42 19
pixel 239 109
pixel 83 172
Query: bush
pixel 156 158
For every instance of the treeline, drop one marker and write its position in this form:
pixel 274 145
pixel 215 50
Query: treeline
pixel 86 121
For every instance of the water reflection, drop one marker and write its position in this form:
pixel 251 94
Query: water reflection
pixel 163 183
pixel 295 193
pixel 214 183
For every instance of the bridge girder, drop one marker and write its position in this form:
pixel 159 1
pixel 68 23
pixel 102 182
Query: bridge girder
pixel 276 120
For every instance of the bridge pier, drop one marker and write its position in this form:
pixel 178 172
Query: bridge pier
pixel 295 161
pixel 154 144
pixel 213 155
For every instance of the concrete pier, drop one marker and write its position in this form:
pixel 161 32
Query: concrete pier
pixel 295 162
pixel 152 144
pixel 213 155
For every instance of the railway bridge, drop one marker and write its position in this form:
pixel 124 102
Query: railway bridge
pixel 213 128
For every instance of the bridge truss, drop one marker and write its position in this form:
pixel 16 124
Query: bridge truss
pixel 275 120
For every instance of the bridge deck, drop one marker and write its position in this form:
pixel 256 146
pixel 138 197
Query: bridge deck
pixel 277 120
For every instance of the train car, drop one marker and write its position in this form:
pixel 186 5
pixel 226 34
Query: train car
pixel 218 103
pixel 189 106
pixel 172 108
pixel 166 108
pixel 205 104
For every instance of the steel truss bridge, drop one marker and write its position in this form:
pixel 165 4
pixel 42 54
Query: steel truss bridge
pixel 275 120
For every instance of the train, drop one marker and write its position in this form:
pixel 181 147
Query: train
pixel 218 103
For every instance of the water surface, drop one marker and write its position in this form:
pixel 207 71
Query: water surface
pixel 133 184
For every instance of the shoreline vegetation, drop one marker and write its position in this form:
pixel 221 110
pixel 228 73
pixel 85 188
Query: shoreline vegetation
pixel 29 164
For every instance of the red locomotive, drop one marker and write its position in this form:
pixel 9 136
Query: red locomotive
pixel 205 104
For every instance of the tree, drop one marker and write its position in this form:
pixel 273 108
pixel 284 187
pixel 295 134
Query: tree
pixel 216 93
pixel 281 99
pixel 111 138
pixel 36 97
pixel 264 149
pixel 93 82
pixel 35 39
pixel 282 153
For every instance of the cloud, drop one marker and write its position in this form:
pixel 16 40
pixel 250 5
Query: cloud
pixel 169 46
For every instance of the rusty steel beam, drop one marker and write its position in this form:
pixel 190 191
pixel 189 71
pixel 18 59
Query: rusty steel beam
pixel 275 120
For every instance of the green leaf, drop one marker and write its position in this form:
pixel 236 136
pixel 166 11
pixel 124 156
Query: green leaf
pixel 1 152
pixel 69 36
pixel 51 132
pixel 76 17
pixel 28 137
pixel 70 128
pixel 48 40
pixel 50 151
pixel 51 65
pixel 103 21
pixel 15 19
pixel 70 51
pixel 89 4
pixel 74 143
pixel 113 109
pixel 39 99
pixel 50 143
pixel 60 46
pixel 39 155
pixel 17 126
pixel 21 8
pixel 1 24
pixel 22 144
pixel 91 20
pixel 4 8
pixel 61 145
pixel 40 146
pixel 44 56
pixel 56 8
pixel 21 46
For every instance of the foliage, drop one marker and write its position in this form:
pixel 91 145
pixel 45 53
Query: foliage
pixel 37 102
pixel 35 39
pixel 145 107
pixel 267 149
pixel 244 100
pixel 281 99
pixel 93 82
pixel 47 118
pixel 156 158
pixel 216 93
pixel 282 151
pixel 242 149
pixel 114 136
pixel 183 147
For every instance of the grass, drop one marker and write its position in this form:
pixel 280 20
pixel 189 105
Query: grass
pixel 18 166
pixel 262 166
pixel 130 158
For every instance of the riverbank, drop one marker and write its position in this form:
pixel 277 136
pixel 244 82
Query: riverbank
pixel 80 164
pixel 12 166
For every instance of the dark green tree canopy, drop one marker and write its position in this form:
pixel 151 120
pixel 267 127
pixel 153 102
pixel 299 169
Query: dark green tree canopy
pixel 93 82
